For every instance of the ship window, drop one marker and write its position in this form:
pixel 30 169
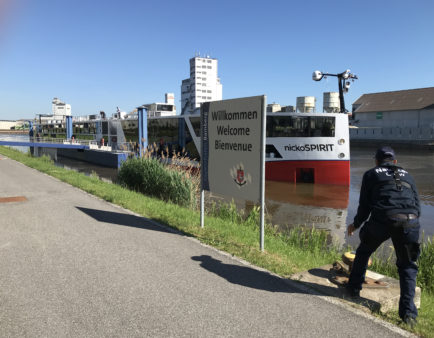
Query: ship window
pixel 300 126
pixel 164 107
pixel 163 133
pixel 322 126
pixel 189 146
pixel 195 122
pixel 105 127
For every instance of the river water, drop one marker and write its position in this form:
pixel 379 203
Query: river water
pixel 333 207
pixel 323 206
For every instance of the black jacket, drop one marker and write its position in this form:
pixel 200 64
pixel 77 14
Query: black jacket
pixel 381 196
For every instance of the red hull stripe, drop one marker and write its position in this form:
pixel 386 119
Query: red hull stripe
pixel 322 172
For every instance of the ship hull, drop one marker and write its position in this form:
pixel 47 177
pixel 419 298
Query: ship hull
pixel 320 172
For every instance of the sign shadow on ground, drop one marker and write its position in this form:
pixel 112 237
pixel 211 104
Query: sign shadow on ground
pixel 120 218
pixel 262 280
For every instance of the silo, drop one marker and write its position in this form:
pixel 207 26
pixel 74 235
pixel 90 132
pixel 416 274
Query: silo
pixel 306 104
pixel 331 103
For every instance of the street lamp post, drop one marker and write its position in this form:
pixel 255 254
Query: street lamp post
pixel 344 84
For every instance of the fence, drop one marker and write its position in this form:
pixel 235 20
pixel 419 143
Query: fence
pixel 407 134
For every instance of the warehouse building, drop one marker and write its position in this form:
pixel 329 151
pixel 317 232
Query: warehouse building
pixel 412 108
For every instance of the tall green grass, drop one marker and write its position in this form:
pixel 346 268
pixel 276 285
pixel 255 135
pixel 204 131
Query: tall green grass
pixel 425 276
pixel 313 241
pixel 230 212
pixel 151 177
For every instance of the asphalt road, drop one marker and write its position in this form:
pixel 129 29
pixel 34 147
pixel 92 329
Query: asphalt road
pixel 72 265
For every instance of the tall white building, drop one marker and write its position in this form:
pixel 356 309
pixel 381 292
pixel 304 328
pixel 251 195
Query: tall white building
pixel 202 86
pixel 60 108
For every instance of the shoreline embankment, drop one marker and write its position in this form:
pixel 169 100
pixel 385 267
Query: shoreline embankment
pixel 402 137
pixel 8 131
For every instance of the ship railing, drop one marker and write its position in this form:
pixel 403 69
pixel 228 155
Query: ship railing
pixel 61 141
pixel 125 146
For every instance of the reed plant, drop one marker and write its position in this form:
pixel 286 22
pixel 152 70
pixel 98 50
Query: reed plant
pixel 170 179
pixel 150 177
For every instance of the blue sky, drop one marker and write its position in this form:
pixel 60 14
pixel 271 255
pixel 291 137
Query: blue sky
pixel 96 55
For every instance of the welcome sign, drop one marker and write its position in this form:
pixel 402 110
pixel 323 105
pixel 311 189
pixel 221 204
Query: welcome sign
pixel 233 146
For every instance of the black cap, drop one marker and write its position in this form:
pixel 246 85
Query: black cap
pixel 385 154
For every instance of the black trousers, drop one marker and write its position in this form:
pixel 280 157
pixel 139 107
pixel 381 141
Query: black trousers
pixel 406 243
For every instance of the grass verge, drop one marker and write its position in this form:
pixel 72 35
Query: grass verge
pixel 284 255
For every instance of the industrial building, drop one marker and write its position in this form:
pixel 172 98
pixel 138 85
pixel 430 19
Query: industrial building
pixel 60 109
pixel 7 124
pixel 400 117
pixel 277 108
pixel 412 108
pixel 203 85
pixel 12 124
pixel 274 107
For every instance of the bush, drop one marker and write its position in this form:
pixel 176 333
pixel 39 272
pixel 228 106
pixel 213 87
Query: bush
pixel 152 178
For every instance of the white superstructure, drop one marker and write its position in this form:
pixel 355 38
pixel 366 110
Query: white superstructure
pixel 202 86
pixel 167 108
pixel 60 108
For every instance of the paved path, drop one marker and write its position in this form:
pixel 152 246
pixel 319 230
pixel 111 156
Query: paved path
pixel 72 265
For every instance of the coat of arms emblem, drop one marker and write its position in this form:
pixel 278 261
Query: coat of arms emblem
pixel 239 175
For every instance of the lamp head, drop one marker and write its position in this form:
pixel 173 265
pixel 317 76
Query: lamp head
pixel 346 74
pixel 317 75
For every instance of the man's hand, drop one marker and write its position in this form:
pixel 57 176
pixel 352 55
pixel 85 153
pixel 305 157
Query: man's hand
pixel 351 229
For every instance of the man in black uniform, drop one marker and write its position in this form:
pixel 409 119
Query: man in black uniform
pixel 388 194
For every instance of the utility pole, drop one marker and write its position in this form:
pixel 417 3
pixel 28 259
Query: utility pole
pixel 343 82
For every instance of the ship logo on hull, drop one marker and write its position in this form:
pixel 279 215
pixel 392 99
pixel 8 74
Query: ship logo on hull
pixel 309 147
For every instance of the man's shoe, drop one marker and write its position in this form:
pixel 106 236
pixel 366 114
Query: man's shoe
pixel 410 321
pixel 351 293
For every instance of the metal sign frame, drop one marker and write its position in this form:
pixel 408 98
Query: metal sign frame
pixel 204 149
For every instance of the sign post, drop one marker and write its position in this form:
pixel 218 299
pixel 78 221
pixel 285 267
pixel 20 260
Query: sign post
pixel 233 151
pixel 262 186
pixel 143 129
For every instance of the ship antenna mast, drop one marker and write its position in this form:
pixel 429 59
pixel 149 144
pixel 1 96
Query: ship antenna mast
pixel 343 81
